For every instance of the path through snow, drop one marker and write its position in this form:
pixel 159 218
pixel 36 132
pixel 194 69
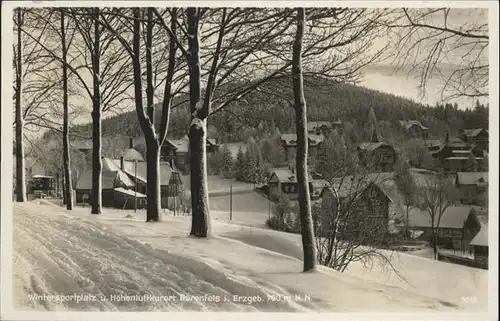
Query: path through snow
pixel 59 252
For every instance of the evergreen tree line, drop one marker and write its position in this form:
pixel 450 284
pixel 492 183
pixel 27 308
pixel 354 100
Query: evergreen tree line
pixel 260 114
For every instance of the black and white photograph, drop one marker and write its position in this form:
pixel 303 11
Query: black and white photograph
pixel 328 159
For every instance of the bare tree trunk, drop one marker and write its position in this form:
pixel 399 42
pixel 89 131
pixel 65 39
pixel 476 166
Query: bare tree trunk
pixel 66 157
pixel 152 146
pixel 197 134
pixel 64 195
pixel 306 222
pixel 153 181
pixel 96 123
pixel 149 65
pixel 20 168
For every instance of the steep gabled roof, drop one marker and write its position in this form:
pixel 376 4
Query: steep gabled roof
pixel 291 139
pixel 473 132
pixel 315 125
pixel 131 154
pixel 407 124
pixel 109 180
pixel 211 141
pixel 286 176
pixel 180 145
pixel 129 192
pixel 481 238
pixel 315 139
pixel 372 146
pixel 81 144
pixel 129 168
pixel 453 217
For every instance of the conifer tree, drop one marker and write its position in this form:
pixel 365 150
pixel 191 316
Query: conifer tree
pixel 226 160
pixel 239 165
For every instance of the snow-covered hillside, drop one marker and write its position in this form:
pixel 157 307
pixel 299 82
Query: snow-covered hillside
pixel 117 261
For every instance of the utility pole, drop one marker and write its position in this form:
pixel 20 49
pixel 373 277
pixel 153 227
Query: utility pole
pixel 175 194
pixel 135 189
pixel 269 200
pixel 231 202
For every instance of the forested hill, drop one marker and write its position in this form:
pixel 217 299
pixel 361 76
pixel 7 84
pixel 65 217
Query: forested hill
pixel 348 103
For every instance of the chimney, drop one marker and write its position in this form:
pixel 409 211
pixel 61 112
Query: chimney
pixel 122 163
pixel 293 170
pixel 130 142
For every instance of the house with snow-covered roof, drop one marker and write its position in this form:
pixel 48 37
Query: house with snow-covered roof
pixel 289 143
pixel 477 136
pixel 379 155
pixel 457 226
pixel 479 244
pixel 170 180
pixel 414 128
pixel 176 151
pixel 284 180
pixel 473 187
pixel 116 187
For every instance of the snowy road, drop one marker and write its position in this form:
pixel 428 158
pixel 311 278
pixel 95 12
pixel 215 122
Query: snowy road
pixel 108 257
pixel 61 255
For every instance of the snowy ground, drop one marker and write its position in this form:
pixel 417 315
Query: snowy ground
pixel 59 252
pixel 220 185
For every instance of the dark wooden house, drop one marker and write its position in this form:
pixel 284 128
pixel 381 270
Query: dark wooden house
pixel 454 155
pixel 414 128
pixel 457 227
pixel 476 136
pixel 285 181
pixel 289 143
pixel 176 152
pixel 366 209
pixel 473 187
pixel 112 178
pixel 170 180
pixel 479 245
pixel 379 156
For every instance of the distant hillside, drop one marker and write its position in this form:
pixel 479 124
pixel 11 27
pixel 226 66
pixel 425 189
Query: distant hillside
pixel 349 103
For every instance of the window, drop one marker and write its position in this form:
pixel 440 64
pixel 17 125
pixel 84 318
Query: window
pixel 456 233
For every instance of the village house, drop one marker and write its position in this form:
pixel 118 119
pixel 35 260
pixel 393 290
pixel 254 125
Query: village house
pixel 170 180
pixel 284 180
pixel 379 155
pixel 323 127
pixel 369 207
pixel 414 128
pixel 479 245
pixel 457 227
pixel 37 178
pixel 477 136
pixel 289 143
pixel 117 187
pixel 176 152
pixel 455 155
pixel 212 146
pixel 473 187
pixel 82 145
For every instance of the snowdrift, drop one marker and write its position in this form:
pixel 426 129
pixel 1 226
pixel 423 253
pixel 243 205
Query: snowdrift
pixel 77 261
